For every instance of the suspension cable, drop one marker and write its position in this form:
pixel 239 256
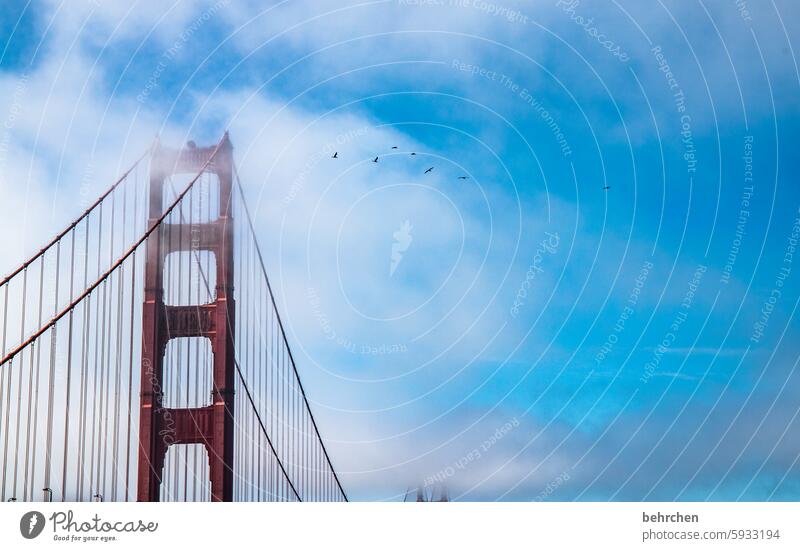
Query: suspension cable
pixel 78 220
pixel 114 266
pixel 283 334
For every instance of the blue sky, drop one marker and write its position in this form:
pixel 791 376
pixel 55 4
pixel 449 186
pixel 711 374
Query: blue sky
pixel 411 372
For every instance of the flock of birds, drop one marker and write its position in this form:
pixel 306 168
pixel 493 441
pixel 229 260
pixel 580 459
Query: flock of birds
pixel 375 160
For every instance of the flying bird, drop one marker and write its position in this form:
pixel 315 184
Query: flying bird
pixel 413 153
pixel 335 155
pixel 430 169
pixel 375 160
pixel 463 177
pixel 394 147
pixel 607 187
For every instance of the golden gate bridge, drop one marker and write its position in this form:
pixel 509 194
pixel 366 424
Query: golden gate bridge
pixel 144 357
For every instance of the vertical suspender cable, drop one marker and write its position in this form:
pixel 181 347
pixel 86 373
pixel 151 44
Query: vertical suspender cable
pixel 5 389
pixel 286 342
pixel 51 377
pixel 31 394
pixel 69 373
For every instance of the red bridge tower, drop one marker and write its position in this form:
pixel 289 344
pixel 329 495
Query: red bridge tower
pixel 212 426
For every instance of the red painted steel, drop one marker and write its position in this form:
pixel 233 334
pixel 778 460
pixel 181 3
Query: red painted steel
pixel 212 426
